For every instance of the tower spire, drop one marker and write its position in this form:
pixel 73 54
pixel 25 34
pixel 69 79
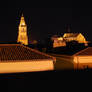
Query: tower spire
pixel 22 34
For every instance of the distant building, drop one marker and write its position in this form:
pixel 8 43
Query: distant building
pixel 22 32
pixel 74 37
pixel 58 41
pixel 68 37
pixel 83 59
pixel 18 58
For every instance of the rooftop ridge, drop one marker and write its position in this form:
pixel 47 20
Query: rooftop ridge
pixel 39 52
pixel 19 50
pixel 81 51
pixel 71 34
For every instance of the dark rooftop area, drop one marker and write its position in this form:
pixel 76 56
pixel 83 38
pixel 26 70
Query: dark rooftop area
pixel 87 51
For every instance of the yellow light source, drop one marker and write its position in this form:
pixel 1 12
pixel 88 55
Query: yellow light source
pixel 22 34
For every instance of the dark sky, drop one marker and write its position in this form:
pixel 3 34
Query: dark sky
pixel 45 21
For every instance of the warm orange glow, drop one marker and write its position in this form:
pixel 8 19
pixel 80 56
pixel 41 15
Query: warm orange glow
pixel 75 36
pixel 81 62
pixel 67 37
pixel 26 66
pixel 22 34
pixel 60 38
pixel 59 44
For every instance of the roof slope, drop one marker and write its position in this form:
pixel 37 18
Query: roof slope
pixel 20 52
pixel 85 52
pixel 71 34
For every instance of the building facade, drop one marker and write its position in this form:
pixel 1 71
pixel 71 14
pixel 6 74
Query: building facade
pixel 83 59
pixel 58 41
pixel 74 37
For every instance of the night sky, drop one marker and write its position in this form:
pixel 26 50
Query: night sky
pixel 45 21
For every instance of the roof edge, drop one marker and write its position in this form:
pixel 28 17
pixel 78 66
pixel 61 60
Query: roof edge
pixel 39 52
pixel 80 51
pixel 10 44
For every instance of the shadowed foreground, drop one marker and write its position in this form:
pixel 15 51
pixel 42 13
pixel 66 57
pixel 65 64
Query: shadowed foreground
pixel 63 62
pixel 46 80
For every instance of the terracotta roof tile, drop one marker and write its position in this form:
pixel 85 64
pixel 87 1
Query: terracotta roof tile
pixel 20 52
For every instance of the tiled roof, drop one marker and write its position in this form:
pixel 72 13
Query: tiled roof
pixel 85 52
pixel 71 34
pixel 20 52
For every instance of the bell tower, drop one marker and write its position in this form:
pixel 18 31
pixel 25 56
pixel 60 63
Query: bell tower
pixel 22 32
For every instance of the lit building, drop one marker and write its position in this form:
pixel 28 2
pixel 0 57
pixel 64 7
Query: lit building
pixel 74 37
pixel 68 37
pixel 18 58
pixel 22 32
pixel 83 59
pixel 58 41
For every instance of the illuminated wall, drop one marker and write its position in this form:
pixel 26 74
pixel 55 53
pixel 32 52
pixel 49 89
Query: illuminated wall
pixel 67 37
pixel 80 38
pixel 81 62
pixel 59 44
pixel 22 34
pixel 26 66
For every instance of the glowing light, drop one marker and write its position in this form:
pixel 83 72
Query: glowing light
pixel 26 66
pixel 60 38
pixel 80 62
pixel 22 34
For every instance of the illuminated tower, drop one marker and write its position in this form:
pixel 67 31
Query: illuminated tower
pixel 22 34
